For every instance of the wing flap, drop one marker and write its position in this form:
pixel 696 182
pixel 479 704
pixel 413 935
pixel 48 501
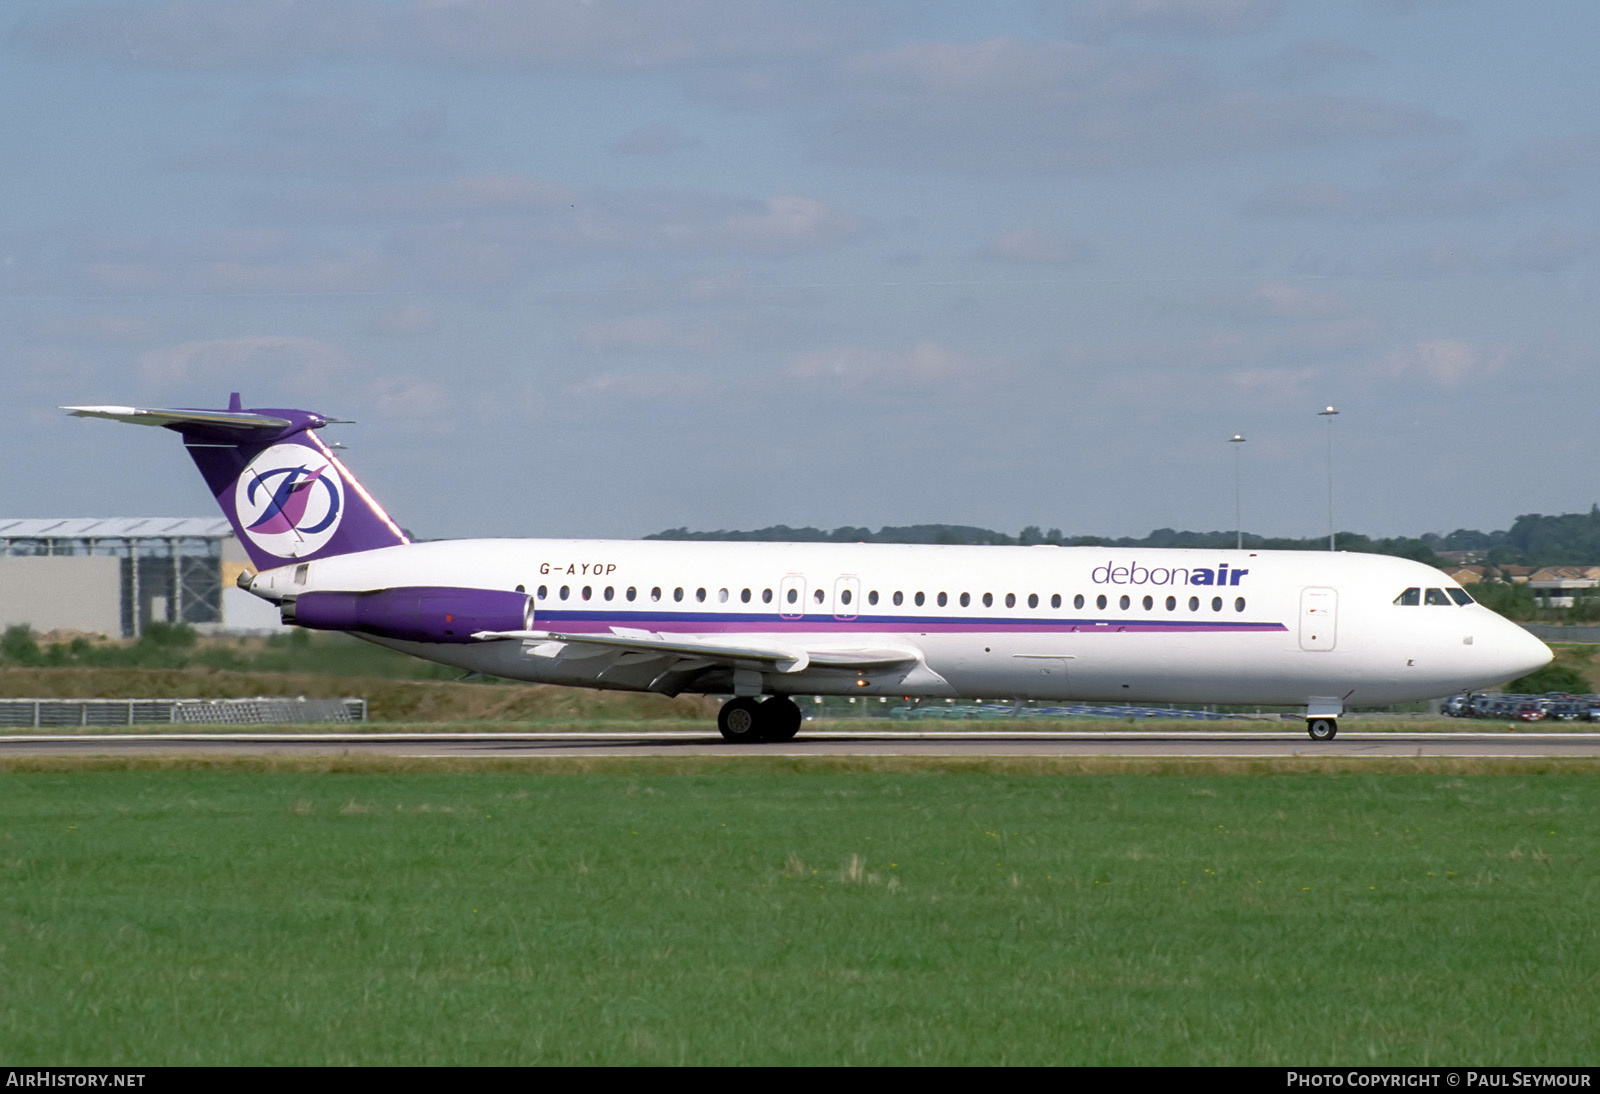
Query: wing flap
pixel 734 653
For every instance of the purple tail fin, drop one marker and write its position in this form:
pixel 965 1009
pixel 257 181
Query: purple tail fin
pixel 288 497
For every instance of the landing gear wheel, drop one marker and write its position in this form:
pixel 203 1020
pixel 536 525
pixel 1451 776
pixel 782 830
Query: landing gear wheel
pixel 741 721
pixel 781 718
pixel 1322 729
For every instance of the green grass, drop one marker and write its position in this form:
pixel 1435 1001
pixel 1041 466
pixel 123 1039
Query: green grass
pixel 773 911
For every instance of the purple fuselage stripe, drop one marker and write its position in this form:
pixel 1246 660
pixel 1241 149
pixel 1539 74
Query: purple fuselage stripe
pixel 737 622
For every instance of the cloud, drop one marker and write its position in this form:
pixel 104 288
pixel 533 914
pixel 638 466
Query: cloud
pixel 680 221
pixel 1309 59
pixel 115 330
pixel 1007 105
pixel 300 362
pixel 1273 386
pixel 325 135
pixel 458 196
pixel 1444 181
pixel 1285 300
pixel 652 334
pixel 514 212
pixel 659 139
pixel 1552 250
pixel 410 399
pixel 923 365
pixel 465 232
pixel 406 321
pixel 616 35
pixel 1444 362
pixel 1440 258
pixel 1038 247
pixel 1208 18
pixel 641 386
pixel 1444 198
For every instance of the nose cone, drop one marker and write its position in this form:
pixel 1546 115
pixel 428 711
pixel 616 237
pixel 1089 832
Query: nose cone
pixel 1517 652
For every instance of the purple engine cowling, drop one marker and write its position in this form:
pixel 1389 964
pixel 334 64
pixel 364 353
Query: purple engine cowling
pixel 422 613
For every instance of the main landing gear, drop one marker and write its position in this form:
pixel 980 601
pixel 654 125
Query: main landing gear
pixel 748 719
pixel 1322 729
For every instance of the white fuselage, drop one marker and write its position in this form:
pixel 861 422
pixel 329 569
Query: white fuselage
pixel 1081 623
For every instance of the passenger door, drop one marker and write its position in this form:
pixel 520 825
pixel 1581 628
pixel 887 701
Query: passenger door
pixel 1319 624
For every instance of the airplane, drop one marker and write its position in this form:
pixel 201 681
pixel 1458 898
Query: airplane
pixel 764 622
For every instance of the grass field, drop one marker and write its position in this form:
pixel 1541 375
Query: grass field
pixel 773 911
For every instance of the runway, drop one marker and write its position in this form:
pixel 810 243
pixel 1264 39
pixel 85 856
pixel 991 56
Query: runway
pixel 1187 745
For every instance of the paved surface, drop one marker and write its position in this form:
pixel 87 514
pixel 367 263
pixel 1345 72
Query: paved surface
pixel 908 743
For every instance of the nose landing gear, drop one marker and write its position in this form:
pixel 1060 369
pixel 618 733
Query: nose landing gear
pixel 1322 729
pixel 1322 717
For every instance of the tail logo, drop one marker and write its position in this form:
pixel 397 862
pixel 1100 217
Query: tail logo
pixel 289 500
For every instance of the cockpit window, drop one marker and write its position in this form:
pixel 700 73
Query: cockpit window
pixel 1436 596
pixel 1410 598
pixel 1460 596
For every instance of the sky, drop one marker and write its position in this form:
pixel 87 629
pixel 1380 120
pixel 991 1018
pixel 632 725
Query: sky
pixel 605 268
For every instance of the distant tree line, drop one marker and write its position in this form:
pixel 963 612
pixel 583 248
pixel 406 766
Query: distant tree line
pixel 1533 540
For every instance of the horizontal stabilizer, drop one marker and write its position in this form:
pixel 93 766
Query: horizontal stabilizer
pixel 242 420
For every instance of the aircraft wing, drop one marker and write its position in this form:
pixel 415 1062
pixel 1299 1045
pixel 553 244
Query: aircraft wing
pixel 784 657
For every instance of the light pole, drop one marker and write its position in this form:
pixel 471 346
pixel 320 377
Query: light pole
pixel 1329 413
pixel 1238 519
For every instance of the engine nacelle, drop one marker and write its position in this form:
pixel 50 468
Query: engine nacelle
pixel 423 613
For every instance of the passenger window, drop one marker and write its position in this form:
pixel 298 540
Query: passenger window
pixel 988 600
pixel 610 592
pixel 1172 603
pixel 1100 601
pixel 587 592
pixel 1194 603
pixel 1011 600
pixel 1077 601
pixel 1123 602
pixel 1409 599
pixel 544 591
pixel 1238 604
pixel 899 598
pixel 1460 596
pixel 872 597
pixel 722 596
pixel 744 596
pixel 677 594
pixel 655 593
pixel 1055 600
pixel 566 590
pixel 844 597
pixel 700 595
pixel 817 596
pixel 966 599
pixel 943 600
pixel 1436 597
pixel 1216 603
pixel 1149 602
pixel 918 599
pixel 1033 600
pixel 632 594
pixel 794 595
pixel 766 596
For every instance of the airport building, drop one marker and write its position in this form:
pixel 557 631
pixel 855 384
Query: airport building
pixel 116 575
